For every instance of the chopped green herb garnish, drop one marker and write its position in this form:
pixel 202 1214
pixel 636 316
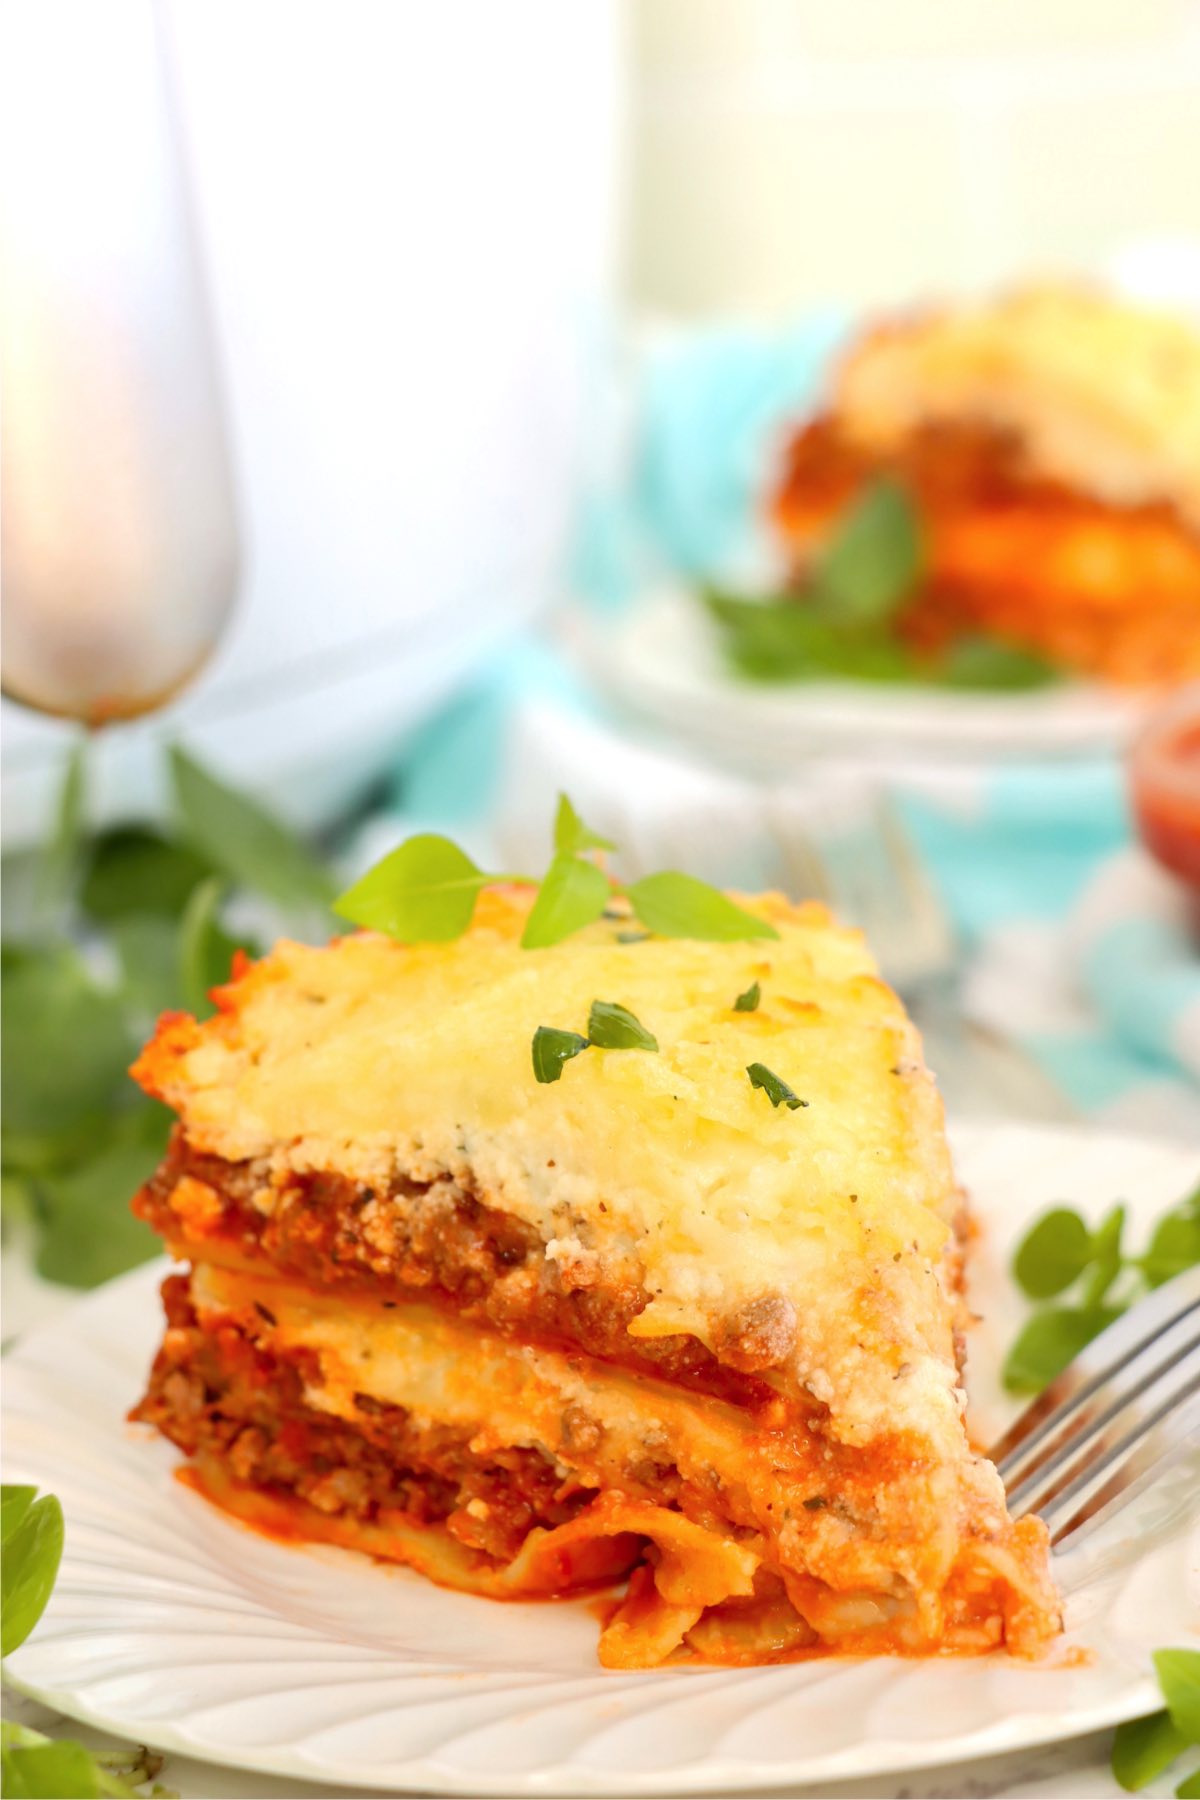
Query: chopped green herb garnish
pixel 552 1048
pixel 634 937
pixel 777 1092
pixel 614 1027
pixel 748 1002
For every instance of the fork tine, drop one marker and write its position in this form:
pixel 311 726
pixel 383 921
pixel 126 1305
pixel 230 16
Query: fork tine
pixel 1110 1482
pixel 1090 1420
pixel 1103 1361
pixel 1173 1440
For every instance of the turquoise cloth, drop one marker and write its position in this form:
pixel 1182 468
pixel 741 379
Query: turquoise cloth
pixel 1015 849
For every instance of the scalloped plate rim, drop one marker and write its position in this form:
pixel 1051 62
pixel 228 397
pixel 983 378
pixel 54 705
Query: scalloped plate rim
pixel 437 1771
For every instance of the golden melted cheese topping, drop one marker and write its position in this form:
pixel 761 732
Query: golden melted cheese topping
pixel 373 1058
pixel 1104 396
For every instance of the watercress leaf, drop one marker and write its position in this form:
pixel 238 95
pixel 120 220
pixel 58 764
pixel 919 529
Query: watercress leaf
pixel 778 1092
pixel 871 564
pixel 1048 1342
pixel 32 1553
pixel 613 1027
pixel 1189 1787
pixel 15 1502
pixel 66 1046
pixel 135 869
pixel 679 906
pixel 572 894
pixel 985 663
pixel 243 840
pixel 571 835
pixel 423 892
pixel 552 1048
pixel 1106 1256
pixel 205 950
pixel 63 852
pixel 748 1002
pixel 1178 1674
pixel 1143 1748
pixel 1174 1247
pixel 1052 1254
pixel 88 1231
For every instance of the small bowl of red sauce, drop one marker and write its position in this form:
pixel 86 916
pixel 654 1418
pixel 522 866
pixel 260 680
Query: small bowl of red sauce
pixel 1165 785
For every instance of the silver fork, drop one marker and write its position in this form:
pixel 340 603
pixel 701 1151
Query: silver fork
pixel 1116 1419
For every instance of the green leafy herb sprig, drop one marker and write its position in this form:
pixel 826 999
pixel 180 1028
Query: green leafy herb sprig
pixel 843 623
pixel 1091 1279
pixel 1144 1749
pixel 426 890
pixel 124 924
pixel 31 1764
pixel 611 1026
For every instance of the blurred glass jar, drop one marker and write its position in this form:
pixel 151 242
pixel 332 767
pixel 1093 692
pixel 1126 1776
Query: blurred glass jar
pixel 120 550
pixel 1165 784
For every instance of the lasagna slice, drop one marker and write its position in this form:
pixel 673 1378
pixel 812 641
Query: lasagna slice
pixel 1051 442
pixel 647 1323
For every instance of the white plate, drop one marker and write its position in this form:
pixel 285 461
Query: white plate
pixel 172 1625
pixel 663 660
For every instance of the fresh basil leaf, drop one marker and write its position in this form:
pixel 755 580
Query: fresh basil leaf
pixel 1106 1256
pixel 678 906
pixel 1048 1342
pixel 791 640
pixel 15 1502
pixel 1143 1748
pixel 205 949
pixel 552 1048
pixel 66 1048
pixel 1178 1674
pixel 573 893
pixel 988 665
pixel 423 892
pixel 88 1232
pixel 571 835
pixel 1174 1247
pixel 873 561
pixel 63 853
pixel 1053 1254
pixel 613 1027
pixel 748 1002
pixel 1189 1787
pixel 134 869
pixel 32 1553
pixel 247 843
pixel 778 1092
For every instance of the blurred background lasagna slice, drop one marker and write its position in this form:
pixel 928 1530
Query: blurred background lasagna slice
pixel 1050 440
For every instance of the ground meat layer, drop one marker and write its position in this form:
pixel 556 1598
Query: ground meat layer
pixel 220 1393
pixel 435 1242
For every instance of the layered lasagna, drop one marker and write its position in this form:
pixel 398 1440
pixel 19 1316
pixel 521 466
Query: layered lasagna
pixel 1051 442
pixel 652 1326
